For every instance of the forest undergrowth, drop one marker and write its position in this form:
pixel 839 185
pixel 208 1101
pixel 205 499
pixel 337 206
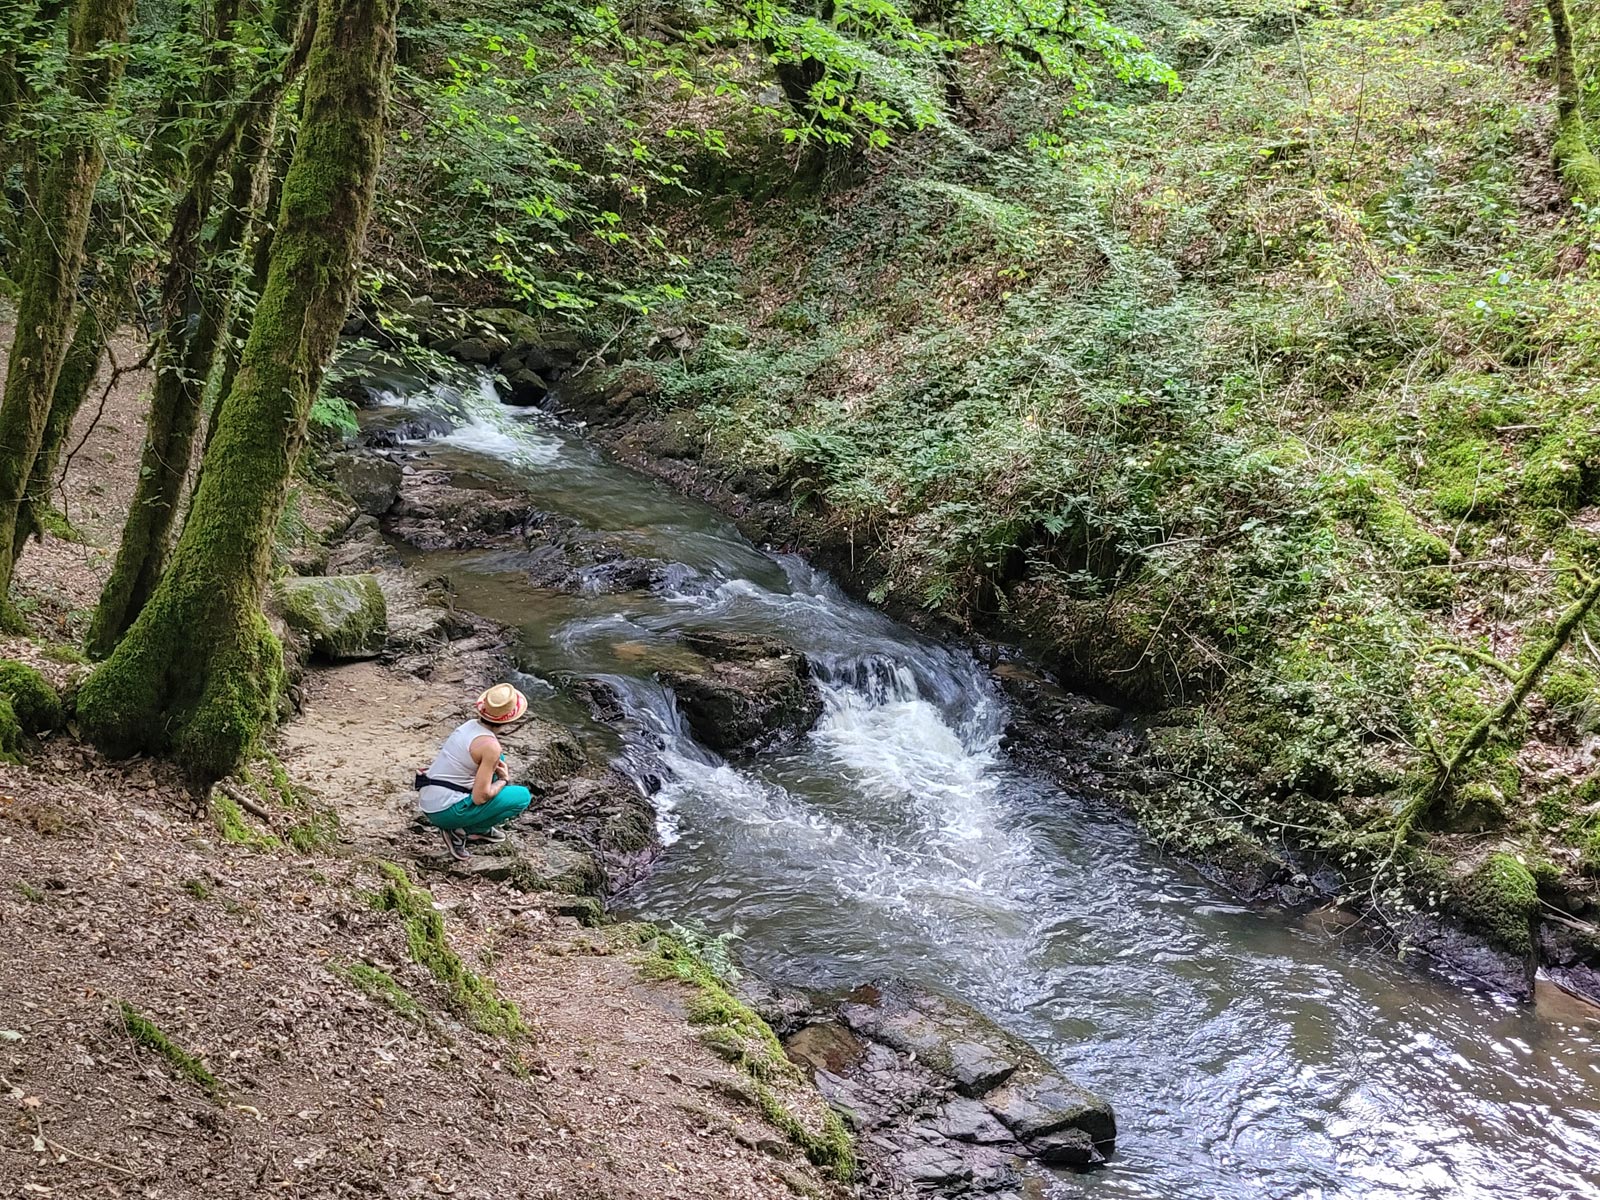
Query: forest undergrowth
pixel 1271 407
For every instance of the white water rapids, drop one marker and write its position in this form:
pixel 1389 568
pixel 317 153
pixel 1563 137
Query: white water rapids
pixel 1249 1055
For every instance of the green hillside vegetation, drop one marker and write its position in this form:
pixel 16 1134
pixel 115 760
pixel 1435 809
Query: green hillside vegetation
pixel 1269 406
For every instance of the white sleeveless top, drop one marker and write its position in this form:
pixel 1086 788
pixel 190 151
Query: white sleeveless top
pixel 453 764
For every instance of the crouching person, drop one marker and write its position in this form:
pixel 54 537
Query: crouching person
pixel 467 793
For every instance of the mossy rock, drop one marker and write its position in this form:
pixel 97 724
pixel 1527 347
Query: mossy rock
pixel 10 733
pixel 1499 900
pixel 1476 806
pixel 1562 469
pixel 34 702
pixel 341 616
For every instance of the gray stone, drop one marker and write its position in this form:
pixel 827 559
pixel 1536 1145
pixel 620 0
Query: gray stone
pixel 526 387
pixel 361 550
pixel 967 1120
pixel 1066 1148
pixel 826 1046
pixel 474 350
pixel 949 1038
pixel 740 690
pixel 372 481
pixel 420 614
pixel 932 1165
pixel 1042 1102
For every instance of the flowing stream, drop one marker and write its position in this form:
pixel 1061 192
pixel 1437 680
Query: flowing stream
pixel 1247 1054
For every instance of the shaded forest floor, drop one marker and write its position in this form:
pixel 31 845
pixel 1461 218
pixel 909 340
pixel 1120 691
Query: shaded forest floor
pixel 191 1004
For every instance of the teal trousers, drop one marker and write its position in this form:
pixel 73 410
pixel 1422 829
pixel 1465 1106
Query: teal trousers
pixel 507 804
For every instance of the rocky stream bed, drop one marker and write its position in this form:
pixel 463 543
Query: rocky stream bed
pixel 690 687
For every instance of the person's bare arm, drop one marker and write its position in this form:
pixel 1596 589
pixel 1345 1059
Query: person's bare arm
pixel 491 776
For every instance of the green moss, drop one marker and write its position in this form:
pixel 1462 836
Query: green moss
pixel 381 986
pixel 316 832
pixel 1499 900
pixel 1477 805
pixel 1570 688
pixel 584 880
pixel 230 821
pixel 65 652
pixel 317 826
pixel 1393 526
pixel 736 1033
pixel 342 616
pixel 1579 166
pixel 54 521
pixel 10 732
pixel 35 702
pixel 471 996
pixel 198 888
pixel 29 892
pixel 148 1034
pixel 1467 480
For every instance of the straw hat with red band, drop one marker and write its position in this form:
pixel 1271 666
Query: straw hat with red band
pixel 501 704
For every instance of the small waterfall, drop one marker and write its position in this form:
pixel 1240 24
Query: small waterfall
pixel 1247 1056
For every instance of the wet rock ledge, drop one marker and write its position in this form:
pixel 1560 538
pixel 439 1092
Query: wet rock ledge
pixel 941 1098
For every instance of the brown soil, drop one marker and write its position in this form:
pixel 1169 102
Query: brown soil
pixel 114 894
pixel 61 581
pixel 118 887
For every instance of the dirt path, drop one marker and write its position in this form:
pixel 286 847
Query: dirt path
pixel 259 962
pixel 190 1005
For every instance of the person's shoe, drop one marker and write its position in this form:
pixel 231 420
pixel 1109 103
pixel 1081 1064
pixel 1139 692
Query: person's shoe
pixel 456 843
pixel 493 834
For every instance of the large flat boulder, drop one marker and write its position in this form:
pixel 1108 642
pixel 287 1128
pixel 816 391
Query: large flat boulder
pixel 966 1048
pixel 944 1100
pixel 1038 1100
pixel 740 690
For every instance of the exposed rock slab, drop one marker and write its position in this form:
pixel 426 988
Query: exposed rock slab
pixel 944 1101
pixel 744 691
pixel 957 1043
pixel 372 481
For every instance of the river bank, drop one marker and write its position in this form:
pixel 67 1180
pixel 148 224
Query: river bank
pixel 273 987
pixel 1449 914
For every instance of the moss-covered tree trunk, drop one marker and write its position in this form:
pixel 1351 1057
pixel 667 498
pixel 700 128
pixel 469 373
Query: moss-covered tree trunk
pixel 47 294
pixel 199 673
pixel 72 388
pixel 198 299
pixel 1575 159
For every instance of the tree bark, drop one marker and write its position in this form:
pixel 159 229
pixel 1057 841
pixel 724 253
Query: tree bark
pixel 197 302
pixel 199 673
pixel 82 364
pixel 48 292
pixel 1575 160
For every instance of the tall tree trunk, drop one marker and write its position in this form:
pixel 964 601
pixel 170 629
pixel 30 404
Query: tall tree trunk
pixel 82 364
pixel 1575 160
pixel 201 283
pixel 199 673
pixel 48 291
pixel 260 259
